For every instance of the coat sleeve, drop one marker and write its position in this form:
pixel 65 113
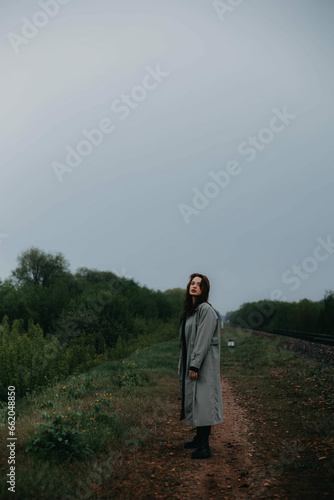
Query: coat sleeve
pixel 205 330
pixel 180 345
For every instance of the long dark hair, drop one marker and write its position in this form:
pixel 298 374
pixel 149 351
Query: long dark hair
pixel 189 306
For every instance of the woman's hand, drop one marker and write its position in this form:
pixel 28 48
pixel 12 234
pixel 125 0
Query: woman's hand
pixel 193 375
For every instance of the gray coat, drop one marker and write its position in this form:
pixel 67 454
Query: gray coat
pixel 202 402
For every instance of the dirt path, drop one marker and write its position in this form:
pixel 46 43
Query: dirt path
pixel 226 473
pixel 164 469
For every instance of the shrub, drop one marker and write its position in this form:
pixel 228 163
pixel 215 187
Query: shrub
pixel 134 379
pixel 56 440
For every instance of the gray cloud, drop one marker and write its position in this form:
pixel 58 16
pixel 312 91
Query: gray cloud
pixel 118 209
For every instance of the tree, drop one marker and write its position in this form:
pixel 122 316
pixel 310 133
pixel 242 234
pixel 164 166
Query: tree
pixel 39 268
pixel 326 319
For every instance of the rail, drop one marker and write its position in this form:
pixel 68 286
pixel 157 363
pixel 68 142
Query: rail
pixel 318 338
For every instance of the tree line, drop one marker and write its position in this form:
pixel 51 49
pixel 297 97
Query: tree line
pixel 304 316
pixel 55 322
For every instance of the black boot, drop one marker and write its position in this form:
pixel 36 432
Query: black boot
pixel 203 448
pixel 193 443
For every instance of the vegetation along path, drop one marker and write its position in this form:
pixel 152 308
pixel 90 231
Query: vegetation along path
pixel 164 468
pixel 276 440
pixel 114 432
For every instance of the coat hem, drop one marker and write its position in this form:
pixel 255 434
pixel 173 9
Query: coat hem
pixel 205 422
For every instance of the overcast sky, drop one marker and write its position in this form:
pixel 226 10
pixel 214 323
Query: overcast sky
pixel 161 138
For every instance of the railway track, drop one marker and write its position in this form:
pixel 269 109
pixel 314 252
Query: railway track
pixel 310 337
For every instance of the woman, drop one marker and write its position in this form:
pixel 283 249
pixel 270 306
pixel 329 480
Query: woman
pixel 199 365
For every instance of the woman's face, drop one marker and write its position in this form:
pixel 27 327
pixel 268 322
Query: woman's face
pixel 195 288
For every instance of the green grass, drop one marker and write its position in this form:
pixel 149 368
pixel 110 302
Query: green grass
pixel 84 423
pixel 74 432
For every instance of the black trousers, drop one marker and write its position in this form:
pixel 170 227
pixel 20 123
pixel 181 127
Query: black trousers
pixel 204 431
